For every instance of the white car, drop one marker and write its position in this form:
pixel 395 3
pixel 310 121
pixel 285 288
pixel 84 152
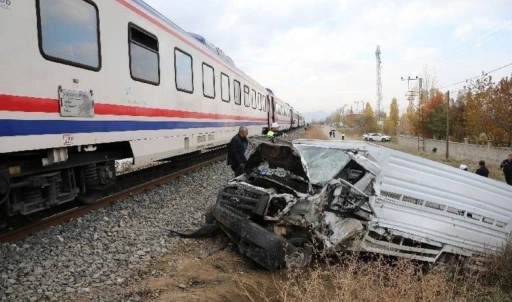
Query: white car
pixel 365 136
pixel 379 137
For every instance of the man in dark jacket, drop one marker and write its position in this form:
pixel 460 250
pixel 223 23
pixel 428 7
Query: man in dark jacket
pixel 506 165
pixel 482 170
pixel 236 151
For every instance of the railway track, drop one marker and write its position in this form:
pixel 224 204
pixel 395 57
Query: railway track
pixel 127 185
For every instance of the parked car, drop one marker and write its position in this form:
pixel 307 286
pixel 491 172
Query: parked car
pixel 378 137
pixel 365 136
pixel 334 196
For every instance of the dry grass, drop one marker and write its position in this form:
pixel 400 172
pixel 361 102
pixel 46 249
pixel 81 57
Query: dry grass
pixel 351 279
pixel 499 272
pixel 315 132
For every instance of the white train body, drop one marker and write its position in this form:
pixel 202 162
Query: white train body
pixel 81 75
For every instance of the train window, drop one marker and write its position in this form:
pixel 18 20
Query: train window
pixel 238 92
pixel 264 103
pixel 246 96
pixel 208 81
pixel 183 71
pixel 144 58
pixel 259 101
pixel 224 87
pixel 68 32
pixel 253 99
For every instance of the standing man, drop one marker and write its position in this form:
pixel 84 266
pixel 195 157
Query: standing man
pixel 506 165
pixel 482 170
pixel 236 151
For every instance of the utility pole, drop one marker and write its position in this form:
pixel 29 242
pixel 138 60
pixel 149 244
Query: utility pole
pixel 447 123
pixel 410 98
pixel 379 86
pixel 420 105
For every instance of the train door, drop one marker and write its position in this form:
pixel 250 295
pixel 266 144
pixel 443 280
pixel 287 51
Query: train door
pixel 271 118
pixel 292 120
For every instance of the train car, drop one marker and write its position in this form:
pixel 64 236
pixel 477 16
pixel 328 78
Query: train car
pixel 279 112
pixel 87 82
pixel 301 122
pixel 294 117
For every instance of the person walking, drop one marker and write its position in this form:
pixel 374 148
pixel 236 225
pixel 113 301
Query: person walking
pixel 506 166
pixel 236 151
pixel 482 170
pixel 342 136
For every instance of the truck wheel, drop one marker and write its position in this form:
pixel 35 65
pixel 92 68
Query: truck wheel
pixel 302 254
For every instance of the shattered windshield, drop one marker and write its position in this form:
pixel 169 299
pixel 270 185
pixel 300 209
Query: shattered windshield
pixel 323 163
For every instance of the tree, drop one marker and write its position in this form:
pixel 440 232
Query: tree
pixel 478 100
pixel 500 111
pixel 457 120
pixel 349 118
pixel 412 118
pixel 404 126
pixel 391 123
pixel 434 112
pixel 369 119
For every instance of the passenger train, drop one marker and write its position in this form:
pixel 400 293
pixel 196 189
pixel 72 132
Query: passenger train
pixel 87 82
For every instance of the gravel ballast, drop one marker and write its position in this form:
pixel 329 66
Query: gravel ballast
pixel 108 247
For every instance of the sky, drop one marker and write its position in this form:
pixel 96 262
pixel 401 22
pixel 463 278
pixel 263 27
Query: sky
pixel 319 55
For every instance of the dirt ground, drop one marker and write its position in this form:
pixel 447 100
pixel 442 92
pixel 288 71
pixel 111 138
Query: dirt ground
pixel 198 270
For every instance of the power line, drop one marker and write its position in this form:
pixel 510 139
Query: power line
pixel 484 38
pixel 476 77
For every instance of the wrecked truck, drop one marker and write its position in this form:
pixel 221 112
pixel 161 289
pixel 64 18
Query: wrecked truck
pixel 298 198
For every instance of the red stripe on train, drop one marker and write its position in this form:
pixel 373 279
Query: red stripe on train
pixel 31 104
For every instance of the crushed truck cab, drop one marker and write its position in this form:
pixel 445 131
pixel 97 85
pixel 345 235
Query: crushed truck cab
pixel 295 198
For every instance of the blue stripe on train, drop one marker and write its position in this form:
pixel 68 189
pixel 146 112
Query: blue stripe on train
pixel 38 127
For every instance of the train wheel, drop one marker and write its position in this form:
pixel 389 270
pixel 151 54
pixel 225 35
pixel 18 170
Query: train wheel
pixel 95 179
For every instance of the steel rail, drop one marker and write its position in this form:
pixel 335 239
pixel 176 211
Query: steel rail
pixel 45 223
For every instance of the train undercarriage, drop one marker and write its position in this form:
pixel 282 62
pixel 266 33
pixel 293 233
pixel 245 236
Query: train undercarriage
pixel 37 180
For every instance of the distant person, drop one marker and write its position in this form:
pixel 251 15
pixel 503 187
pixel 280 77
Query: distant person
pixel 342 136
pixel 236 151
pixel 333 133
pixel 482 169
pixel 463 167
pixel 330 133
pixel 506 166
pixel 434 150
pixel 274 130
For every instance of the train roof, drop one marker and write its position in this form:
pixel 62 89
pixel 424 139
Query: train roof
pixel 213 48
pixel 210 46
